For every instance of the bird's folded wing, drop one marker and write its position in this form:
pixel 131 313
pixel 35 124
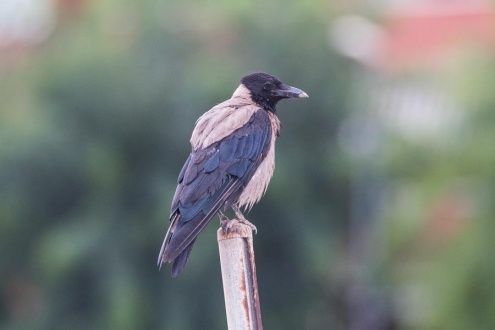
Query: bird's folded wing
pixel 213 177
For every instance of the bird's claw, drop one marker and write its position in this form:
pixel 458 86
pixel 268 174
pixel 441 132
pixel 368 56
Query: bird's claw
pixel 240 217
pixel 226 226
pixel 249 224
pixel 224 221
pixel 227 223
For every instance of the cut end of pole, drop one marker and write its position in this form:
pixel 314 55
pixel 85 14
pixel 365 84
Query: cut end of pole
pixel 236 230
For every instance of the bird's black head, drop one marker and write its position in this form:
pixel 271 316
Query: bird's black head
pixel 266 90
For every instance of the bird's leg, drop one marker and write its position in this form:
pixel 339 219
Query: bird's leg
pixel 224 220
pixel 240 217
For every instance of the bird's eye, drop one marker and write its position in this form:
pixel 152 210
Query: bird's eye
pixel 267 86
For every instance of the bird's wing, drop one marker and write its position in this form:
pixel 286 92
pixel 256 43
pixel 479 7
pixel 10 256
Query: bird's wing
pixel 213 177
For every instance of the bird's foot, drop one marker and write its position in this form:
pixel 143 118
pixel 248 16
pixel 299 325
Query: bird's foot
pixel 225 222
pixel 241 219
pixel 231 223
pixel 244 221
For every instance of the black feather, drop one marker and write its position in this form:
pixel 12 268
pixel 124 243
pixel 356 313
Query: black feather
pixel 240 146
pixel 227 148
pixel 249 146
pixel 212 163
pixel 181 174
pixel 181 261
pixel 188 212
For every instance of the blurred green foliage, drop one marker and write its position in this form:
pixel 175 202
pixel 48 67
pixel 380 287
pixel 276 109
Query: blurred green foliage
pixel 94 129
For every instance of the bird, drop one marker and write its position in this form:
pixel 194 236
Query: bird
pixel 230 165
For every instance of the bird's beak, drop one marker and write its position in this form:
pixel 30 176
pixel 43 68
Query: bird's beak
pixel 286 91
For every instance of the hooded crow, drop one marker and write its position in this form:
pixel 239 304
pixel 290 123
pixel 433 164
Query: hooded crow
pixel 230 165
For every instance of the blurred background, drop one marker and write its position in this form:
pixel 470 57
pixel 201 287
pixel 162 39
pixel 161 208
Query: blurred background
pixel 380 213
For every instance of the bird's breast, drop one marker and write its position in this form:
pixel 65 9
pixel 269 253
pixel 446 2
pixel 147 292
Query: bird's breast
pixel 258 184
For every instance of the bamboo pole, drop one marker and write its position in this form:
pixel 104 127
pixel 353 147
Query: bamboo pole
pixel 239 277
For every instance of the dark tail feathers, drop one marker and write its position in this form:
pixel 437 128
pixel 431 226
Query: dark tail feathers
pixel 181 260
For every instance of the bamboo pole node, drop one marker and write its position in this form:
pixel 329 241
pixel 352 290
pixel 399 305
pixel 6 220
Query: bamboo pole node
pixel 239 277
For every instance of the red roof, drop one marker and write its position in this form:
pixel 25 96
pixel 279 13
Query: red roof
pixel 423 34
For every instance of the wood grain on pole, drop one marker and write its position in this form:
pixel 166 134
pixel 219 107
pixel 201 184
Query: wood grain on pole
pixel 239 278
